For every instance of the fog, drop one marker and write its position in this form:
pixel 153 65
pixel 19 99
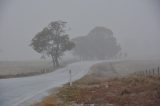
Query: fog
pixel 134 23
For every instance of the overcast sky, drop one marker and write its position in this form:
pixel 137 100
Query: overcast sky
pixel 135 23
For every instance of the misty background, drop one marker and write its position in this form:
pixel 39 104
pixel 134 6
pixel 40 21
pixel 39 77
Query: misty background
pixel 134 23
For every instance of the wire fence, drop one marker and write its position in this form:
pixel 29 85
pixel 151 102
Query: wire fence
pixel 149 72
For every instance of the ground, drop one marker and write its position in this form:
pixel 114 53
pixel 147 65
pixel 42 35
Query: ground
pixel 100 89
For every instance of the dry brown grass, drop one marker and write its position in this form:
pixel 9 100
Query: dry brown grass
pixel 51 100
pixel 130 90
pixel 133 90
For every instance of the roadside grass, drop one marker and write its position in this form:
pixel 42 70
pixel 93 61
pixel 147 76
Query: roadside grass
pixel 127 91
pixel 131 90
pixel 102 86
pixel 49 101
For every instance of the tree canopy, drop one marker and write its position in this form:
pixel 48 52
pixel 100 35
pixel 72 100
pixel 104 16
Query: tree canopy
pixel 52 41
pixel 98 44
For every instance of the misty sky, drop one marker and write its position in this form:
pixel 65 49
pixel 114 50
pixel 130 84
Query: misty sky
pixel 135 24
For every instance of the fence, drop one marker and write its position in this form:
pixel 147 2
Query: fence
pixel 149 72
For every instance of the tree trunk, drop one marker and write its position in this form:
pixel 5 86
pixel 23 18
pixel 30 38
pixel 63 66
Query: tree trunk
pixel 57 50
pixel 56 61
pixel 53 61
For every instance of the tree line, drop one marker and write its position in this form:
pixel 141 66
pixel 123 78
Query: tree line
pixel 53 41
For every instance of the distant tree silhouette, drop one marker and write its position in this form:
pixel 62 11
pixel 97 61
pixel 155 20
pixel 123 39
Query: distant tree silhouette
pixel 98 44
pixel 52 41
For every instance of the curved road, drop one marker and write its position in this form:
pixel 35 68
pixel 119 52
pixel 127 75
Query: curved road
pixel 24 91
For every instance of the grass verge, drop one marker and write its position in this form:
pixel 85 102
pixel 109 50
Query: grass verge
pixel 102 87
pixel 131 90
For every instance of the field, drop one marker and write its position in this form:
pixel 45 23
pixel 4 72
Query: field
pixel 10 69
pixel 22 68
pixel 14 68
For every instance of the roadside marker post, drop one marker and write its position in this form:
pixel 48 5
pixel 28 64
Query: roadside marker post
pixel 70 78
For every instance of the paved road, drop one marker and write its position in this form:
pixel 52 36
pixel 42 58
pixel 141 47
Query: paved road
pixel 24 91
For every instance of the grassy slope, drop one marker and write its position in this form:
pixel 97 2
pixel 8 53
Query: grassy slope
pixel 133 90
pixel 105 87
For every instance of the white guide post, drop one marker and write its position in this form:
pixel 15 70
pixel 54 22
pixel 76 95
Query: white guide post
pixel 70 78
